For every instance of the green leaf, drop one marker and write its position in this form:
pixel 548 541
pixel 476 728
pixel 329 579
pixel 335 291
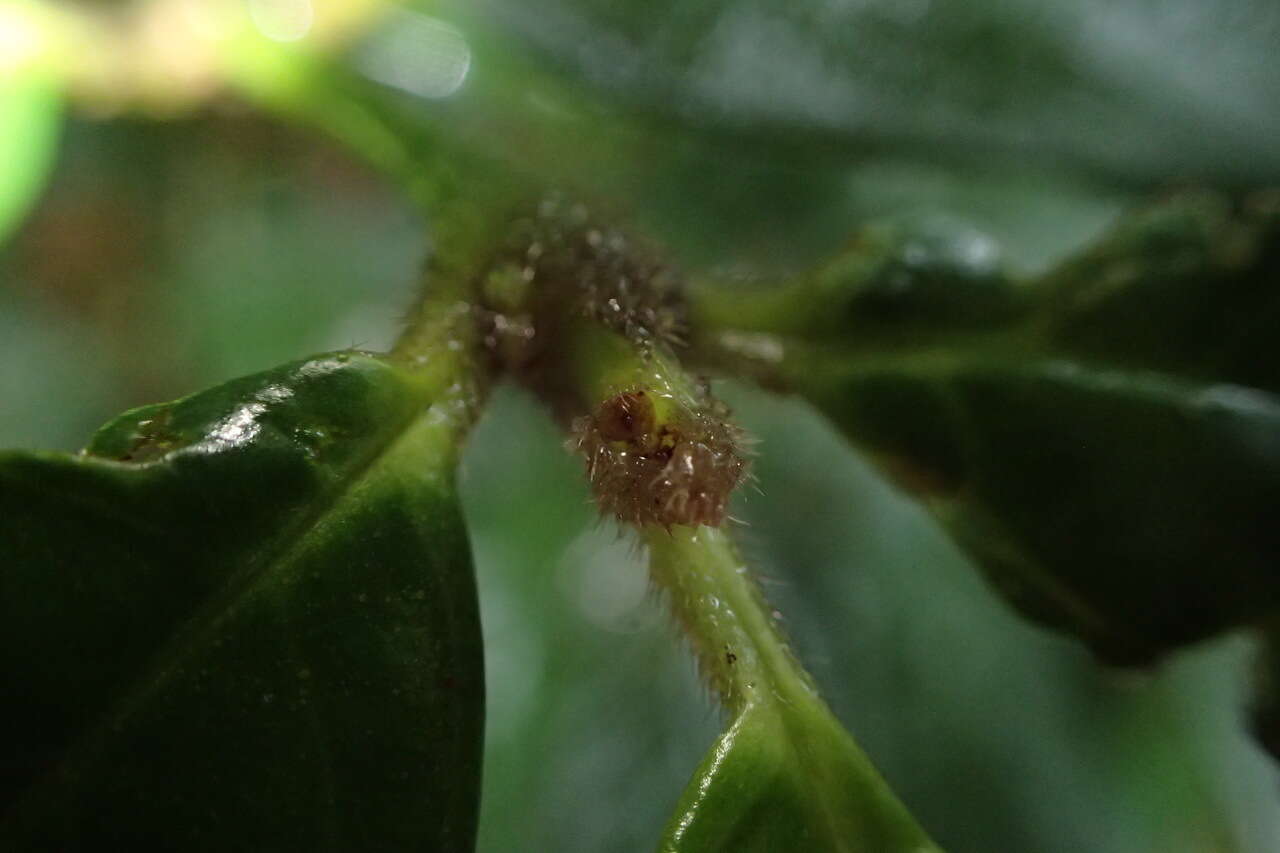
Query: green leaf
pixel 30 110
pixel 1105 441
pixel 788 777
pixel 1131 509
pixel 246 619
pixel 785 774
pixel 1125 88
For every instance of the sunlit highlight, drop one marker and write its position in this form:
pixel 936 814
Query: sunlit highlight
pixel 20 39
pixel 418 54
pixel 282 20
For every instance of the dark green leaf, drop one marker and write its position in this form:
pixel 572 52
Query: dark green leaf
pixel 1134 510
pixel 1129 88
pixel 245 620
pixel 1106 441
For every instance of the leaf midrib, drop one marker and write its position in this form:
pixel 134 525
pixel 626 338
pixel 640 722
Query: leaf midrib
pixel 155 672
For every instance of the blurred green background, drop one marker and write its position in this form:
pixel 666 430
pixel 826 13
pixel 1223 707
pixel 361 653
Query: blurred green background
pixel 170 252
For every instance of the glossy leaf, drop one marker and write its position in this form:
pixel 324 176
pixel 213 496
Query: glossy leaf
pixel 245 619
pixel 1105 441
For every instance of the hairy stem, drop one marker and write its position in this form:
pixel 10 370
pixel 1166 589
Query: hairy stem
pixel 785 771
pixel 725 617
pixel 722 612
pixel 441 344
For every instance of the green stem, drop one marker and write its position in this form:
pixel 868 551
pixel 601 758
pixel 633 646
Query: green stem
pixel 600 363
pixel 441 345
pixel 723 613
pixel 740 651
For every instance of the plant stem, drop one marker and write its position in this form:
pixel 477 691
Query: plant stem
pixel 441 345
pixel 740 651
pixel 730 626
pixel 600 363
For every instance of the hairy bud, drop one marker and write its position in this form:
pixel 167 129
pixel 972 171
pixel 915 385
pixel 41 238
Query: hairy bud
pixel 666 471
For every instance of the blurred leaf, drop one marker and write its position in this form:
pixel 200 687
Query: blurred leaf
pixel 245 618
pixel 1133 511
pixel 1127 89
pixel 1105 441
pixel 30 109
pixel 941 682
pixel 1188 286
pixel 714 196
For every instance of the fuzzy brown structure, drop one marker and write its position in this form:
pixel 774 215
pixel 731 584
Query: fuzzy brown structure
pixel 681 471
pixel 564 260
pixel 557 267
